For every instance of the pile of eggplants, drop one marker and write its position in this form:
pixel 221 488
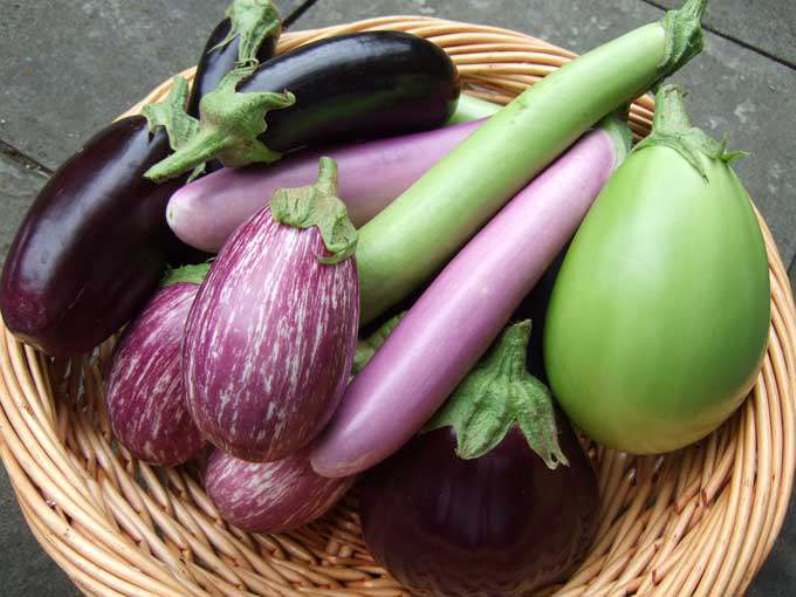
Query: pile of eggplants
pixel 366 315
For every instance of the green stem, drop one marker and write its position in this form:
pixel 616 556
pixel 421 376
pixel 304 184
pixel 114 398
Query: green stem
pixel 318 205
pixel 672 128
pixel 252 21
pixel 230 127
pixel 499 394
pixel 171 115
pixel 192 274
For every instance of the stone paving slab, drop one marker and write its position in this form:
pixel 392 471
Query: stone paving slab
pixel 734 91
pixel 18 185
pixel 769 25
pixel 67 68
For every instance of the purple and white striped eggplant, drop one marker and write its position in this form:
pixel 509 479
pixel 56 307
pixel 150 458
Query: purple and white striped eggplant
pixel 146 396
pixel 272 333
pixel 270 497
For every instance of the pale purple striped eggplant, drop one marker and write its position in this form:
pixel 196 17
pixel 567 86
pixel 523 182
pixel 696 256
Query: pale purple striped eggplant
pixel 146 397
pixel 271 336
pixel 270 497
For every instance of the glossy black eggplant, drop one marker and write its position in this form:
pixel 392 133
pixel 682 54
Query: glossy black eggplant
pixel 250 31
pixel 93 245
pixel 354 86
pixel 462 510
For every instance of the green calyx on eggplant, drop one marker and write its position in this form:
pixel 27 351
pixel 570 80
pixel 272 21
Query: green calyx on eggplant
pixel 498 395
pixel 318 205
pixel 356 86
pixel 491 517
pixel 247 35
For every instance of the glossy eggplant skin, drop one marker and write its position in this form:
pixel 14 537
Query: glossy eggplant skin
pixel 217 62
pixel 93 245
pixel 357 86
pixel 500 525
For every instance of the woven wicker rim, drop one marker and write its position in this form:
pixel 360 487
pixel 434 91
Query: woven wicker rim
pixel 700 521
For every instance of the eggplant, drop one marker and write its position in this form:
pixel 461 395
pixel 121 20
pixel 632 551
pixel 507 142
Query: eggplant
pixel 497 501
pixel 249 33
pixel 145 398
pixel 95 242
pixel 355 86
pixel 270 497
pixel 271 336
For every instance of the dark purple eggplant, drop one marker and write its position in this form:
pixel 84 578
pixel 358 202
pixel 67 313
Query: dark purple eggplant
pixel 146 396
pixel 498 499
pixel 270 497
pixel 95 242
pixel 355 86
pixel 249 33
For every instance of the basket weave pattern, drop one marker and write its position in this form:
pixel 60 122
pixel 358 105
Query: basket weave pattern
pixel 699 521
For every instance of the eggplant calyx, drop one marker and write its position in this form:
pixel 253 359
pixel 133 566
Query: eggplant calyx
pixel 318 205
pixel 190 274
pixel 231 122
pixel 252 21
pixel 170 114
pixel 498 394
pixel 368 347
pixel 684 37
pixel 672 128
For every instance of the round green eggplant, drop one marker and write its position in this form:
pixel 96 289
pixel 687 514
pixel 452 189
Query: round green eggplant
pixel 659 318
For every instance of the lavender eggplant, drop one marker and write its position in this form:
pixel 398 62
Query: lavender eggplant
pixel 498 497
pixel 270 339
pixel 248 34
pixel 356 86
pixel 94 244
pixel 145 398
pixel 204 213
pixel 410 377
pixel 270 497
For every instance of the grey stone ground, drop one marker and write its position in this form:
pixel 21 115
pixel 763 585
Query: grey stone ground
pixel 67 67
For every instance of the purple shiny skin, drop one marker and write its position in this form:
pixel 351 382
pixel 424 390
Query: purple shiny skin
pixel 146 396
pixel 500 525
pixel 93 245
pixel 270 340
pixel 270 497
pixel 372 173
pixel 452 324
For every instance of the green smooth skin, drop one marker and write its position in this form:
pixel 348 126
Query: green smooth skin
pixel 421 230
pixel 659 317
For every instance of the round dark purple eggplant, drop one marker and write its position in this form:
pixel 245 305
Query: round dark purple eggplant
pixel 502 524
pixel 270 497
pixel 497 498
pixel 93 245
pixel 146 396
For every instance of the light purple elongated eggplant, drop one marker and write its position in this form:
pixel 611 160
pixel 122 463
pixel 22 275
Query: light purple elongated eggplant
pixel 146 396
pixel 456 319
pixel 269 497
pixel 204 213
pixel 272 333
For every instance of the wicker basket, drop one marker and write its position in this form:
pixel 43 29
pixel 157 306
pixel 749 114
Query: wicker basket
pixel 699 521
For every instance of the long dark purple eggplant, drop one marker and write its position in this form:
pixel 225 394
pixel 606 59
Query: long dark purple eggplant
pixel 356 86
pixel 94 244
pixel 249 33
